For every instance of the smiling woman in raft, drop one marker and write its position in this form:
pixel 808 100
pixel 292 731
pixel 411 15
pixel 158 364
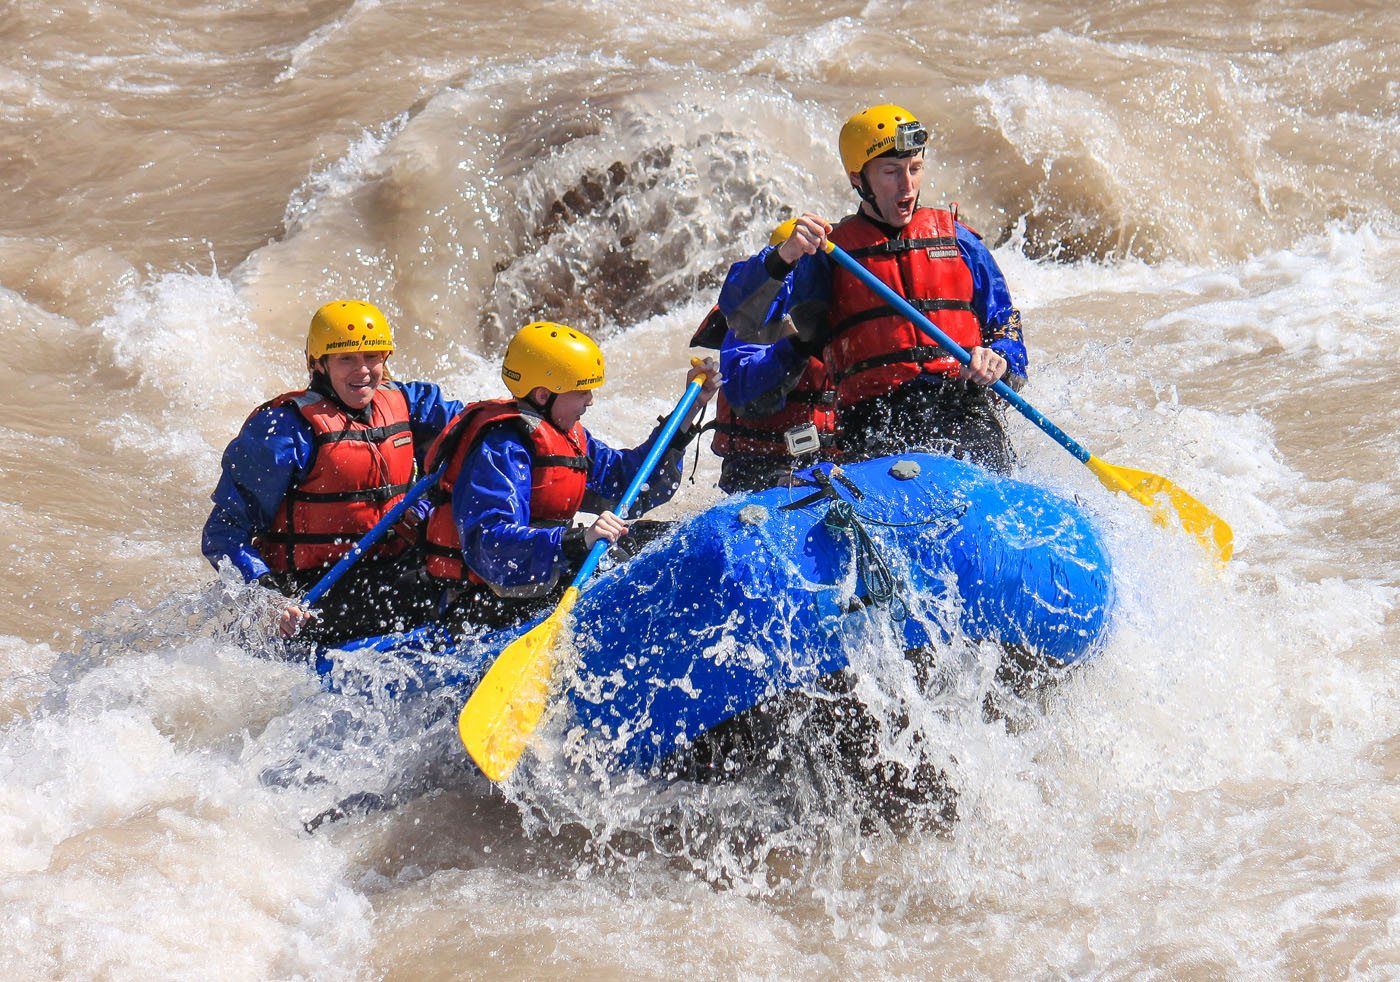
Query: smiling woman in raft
pixel 312 470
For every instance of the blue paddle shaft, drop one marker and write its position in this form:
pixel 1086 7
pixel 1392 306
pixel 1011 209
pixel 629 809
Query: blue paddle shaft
pixel 953 348
pixel 653 457
pixel 367 542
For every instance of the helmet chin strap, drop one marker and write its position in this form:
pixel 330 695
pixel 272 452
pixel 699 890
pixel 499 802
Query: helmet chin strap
pixel 863 189
pixel 547 407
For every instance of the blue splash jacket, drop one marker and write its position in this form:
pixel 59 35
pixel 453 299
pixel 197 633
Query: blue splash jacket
pixel 491 504
pixel 272 453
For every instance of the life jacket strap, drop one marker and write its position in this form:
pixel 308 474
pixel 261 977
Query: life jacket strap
pixel 373 434
pixel 448 552
pixel 826 398
pixel 939 247
pixel 558 460
pixel 918 353
pixel 765 436
pixel 875 313
pixel 309 538
pixel 380 494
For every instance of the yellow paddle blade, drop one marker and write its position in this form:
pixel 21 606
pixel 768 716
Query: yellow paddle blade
pixel 1169 504
pixel 507 705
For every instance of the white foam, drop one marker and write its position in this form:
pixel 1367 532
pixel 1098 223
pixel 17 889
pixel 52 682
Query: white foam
pixel 807 56
pixel 1319 299
pixel 191 340
pixel 361 162
pixel 23 673
pixel 1210 791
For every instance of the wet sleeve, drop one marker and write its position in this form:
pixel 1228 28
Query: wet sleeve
pixel 491 507
pixel 760 375
pixel 991 302
pixel 270 454
pixel 755 295
pixel 610 472
pixel 759 291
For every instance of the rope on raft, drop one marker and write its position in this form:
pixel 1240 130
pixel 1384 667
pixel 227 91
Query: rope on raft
pixel 882 588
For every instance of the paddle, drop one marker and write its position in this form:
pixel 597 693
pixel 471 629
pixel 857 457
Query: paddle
pixel 1166 501
pixel 368 540
pixel 507 704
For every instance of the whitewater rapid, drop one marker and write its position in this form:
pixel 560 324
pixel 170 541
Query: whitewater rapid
pixel 1198 226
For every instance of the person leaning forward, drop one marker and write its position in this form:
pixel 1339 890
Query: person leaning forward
pixel 501 538
pixel 776 410
pixel 896 389
pixel 312 470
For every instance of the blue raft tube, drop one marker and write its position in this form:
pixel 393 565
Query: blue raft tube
pixel 766 593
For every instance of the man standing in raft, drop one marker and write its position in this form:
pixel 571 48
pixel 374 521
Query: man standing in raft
pixel 313 470
pixel 501 538
pixel 896 389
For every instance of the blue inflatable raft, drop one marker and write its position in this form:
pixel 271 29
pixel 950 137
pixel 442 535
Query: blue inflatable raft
pixel 768 592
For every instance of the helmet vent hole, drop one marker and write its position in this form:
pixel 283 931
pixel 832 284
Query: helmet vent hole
pixel 879 126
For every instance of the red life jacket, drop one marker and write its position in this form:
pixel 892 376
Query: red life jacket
pixel 871 350
pixel 812 400
pixel 358 471
pixel 558 475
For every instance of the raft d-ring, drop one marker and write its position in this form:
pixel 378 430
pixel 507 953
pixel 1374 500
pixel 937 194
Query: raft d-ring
pixel 905 470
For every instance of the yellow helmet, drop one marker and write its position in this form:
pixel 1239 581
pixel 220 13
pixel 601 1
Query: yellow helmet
pixel 554 356
pixel 876 131
pixel 347 326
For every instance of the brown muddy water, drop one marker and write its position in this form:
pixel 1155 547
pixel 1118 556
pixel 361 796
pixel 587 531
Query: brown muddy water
pixel 1194 205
